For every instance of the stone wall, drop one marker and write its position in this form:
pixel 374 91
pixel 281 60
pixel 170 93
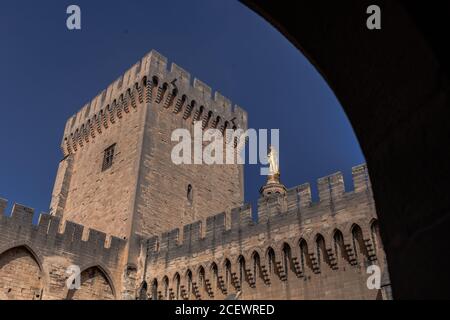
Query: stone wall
pixel 34 258
pixel 292 248
pixel 296 250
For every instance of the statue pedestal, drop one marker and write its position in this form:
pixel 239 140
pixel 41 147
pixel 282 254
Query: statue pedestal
pixel 273 186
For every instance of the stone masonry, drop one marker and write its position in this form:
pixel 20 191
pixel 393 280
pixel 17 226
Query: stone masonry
pixel 140 227
pixel 295 250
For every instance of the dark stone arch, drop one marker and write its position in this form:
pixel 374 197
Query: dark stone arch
pixel 154 289
pixel 214 278
pixel 177 286
pixel 227 273
pixel 375 234
pixel 339 247
pixel 142 293
pixel 256 265
pixel 189 281
pixel 165 289
pixel 201 277
pixel 394 86
pixel 359 247
pixel 321 251
pixel 242 269
pixel 305 259
pixel 270 260
pixel 288 264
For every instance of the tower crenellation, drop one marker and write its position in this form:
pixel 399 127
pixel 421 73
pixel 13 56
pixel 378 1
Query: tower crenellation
pixel 150 79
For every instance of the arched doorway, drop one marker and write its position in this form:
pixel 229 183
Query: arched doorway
pixel 394 86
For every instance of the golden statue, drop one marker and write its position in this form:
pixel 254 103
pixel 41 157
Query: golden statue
pixel 273 185
pixel 273 162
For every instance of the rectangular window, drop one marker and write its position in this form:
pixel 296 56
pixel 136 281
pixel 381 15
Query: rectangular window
pixel 108 157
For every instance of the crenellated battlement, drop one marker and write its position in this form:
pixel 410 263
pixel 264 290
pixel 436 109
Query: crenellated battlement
pixel 151 81
pixel 52 231
pixel 295 248
pixel 116 178
pixel 296 205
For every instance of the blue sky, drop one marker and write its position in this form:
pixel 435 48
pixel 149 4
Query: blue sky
pixel 48 73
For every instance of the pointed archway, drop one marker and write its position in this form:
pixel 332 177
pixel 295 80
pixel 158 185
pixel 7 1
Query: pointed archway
pixel 21 276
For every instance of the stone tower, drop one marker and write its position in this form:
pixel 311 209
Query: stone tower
pixel 117 175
